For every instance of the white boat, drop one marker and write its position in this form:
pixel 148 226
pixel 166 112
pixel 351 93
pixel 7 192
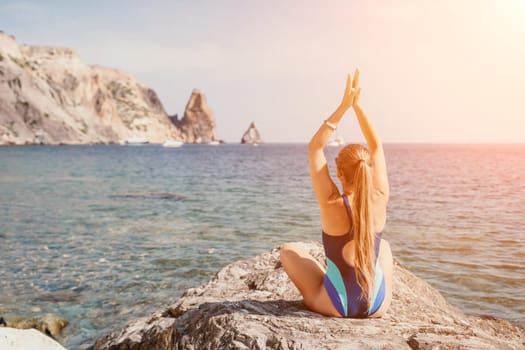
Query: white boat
pixel 136 141
pixel 337 141
pixel 214 143
pixel 172 143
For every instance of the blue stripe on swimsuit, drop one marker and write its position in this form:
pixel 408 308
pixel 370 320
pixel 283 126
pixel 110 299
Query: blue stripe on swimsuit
pixel 340 279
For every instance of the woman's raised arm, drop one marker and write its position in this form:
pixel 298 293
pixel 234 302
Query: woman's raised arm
pixel 378 163
pixel 322 184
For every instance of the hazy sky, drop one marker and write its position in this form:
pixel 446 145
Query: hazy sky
pixel 432 70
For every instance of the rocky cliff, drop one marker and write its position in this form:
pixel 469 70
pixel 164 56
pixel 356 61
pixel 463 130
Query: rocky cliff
pixel 251 304
pixel 252 135
pixel 197 124
pixel 48 95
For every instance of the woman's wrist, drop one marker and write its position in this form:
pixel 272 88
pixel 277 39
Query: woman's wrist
pixel 329 124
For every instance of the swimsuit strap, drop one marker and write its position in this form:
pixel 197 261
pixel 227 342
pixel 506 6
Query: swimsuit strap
pixel 347 205
pixel 349 212
pixel 377 242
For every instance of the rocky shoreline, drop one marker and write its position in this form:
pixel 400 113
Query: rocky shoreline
pixel 251 304
pixel 49 96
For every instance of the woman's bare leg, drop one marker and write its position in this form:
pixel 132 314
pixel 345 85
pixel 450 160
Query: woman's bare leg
pixel 307 274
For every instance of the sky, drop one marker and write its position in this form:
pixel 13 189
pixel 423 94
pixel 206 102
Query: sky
pixel 448 71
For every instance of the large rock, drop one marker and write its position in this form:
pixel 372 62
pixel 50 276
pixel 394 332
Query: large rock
pixel 252 135
pixel 197 124
pixel 251 304
pixel 18 339
pixel 47 95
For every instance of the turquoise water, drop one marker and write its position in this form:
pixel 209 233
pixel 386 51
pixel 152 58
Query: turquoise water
pixel 103 234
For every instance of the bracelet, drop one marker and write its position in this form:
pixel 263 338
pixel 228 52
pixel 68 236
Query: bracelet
pixel 330 125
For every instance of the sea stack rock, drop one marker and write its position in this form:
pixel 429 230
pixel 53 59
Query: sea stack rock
pixel 252 304
pixel 252 135
pixel 197 124
pixel 48 95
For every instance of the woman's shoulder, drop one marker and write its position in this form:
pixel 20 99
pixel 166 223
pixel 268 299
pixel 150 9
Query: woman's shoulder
pixel 335 219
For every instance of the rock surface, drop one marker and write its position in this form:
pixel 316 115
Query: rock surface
pixel 197 124
pixel 49 96
pixel 18 339
pixel 251 304
pixel 51 325
pixel 252 135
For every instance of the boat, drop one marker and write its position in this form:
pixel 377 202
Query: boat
pixel 214 143
pixel 172 143
pixel 336 141
pixel 136 141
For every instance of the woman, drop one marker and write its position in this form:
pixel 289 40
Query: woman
pixel 357 281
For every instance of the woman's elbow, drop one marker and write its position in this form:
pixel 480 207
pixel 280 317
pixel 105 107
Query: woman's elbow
pixel 382 194
pixel 375 146
pixel 386 194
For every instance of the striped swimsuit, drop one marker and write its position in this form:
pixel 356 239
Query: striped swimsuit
pixel 340 279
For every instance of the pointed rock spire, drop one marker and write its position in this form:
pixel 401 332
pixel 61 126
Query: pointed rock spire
pixel 252 135
pixel 198 124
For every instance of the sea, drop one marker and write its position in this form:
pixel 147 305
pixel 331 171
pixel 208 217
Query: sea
pixel 103 234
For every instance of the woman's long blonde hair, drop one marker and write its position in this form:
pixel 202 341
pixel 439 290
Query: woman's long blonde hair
pixel 353 164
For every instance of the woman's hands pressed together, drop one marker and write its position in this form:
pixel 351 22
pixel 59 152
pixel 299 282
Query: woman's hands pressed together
pixel 352 91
